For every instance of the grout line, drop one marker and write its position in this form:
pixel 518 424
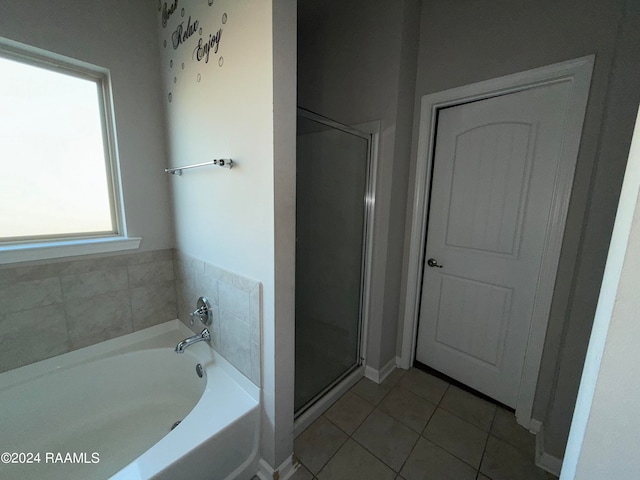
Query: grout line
pixel 428 420
pixel 376 407
pixel 331 457
pixel 410 451
pixel 350 436
pixel 337 449
pixel 456 383
pixel 477 469
pixel 376 456
pixel 467 421
pixel 484 450
pixel 420 434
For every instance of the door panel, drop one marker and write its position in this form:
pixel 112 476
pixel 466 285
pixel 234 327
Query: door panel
pixel 331 187
pixel 491 170
pixel 472 317
pixel 493 178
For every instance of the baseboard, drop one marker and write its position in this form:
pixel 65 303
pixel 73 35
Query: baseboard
pixel 283 472
pixel 379 376
pixel 404 361
pixel 535 426
pixel 545 460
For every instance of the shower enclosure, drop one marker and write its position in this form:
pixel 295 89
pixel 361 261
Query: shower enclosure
pixel 333 214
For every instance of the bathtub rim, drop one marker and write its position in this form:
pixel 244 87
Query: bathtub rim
pixel 123 344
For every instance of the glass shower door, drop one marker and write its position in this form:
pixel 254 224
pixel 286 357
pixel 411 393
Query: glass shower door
pixel 332 186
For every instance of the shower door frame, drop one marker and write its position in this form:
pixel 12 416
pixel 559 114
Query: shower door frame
pixel 314 407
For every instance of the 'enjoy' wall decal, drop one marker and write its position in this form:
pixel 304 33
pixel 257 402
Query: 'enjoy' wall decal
pixel 190 32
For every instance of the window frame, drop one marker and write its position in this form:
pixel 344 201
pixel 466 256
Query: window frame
pixel 54 246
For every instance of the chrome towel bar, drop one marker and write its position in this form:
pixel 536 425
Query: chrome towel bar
pixel 220 162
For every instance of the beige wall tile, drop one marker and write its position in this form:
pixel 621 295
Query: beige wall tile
pixel 91 284
pixel 32 335
pixel 235 341
pixel 90 296
pixel 28 295
pixel 207 286
pixel 96 319
pixel 234 300
pixel 153 304
pixel 150 273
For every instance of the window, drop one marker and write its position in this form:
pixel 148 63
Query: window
pixel 58 168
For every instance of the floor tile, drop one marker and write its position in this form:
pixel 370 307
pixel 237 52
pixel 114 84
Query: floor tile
pixel 502 461
pixel 483 477
pixel 353 462
pixel 469 407
pixel 386 438
pixel 457 436
pixel 409 408
pixel 371 391
pixel 430 462
pixel 317 444
pixel 395 376
pixel 424 384
pixel 507 428
pixel 349 412
pixel 302 474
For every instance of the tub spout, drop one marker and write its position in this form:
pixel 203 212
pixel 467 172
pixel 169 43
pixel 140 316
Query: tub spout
pixel 204 335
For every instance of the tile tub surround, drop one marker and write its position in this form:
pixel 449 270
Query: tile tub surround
pixel 236 304
pixel 48 308
pixel 415 426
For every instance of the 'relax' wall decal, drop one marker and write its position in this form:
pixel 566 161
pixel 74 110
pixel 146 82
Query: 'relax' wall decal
pixel 191 35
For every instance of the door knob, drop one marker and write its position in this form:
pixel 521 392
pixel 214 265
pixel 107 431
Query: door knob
pixel 432 262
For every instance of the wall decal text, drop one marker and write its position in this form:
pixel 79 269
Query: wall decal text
pixel 182 34
pixel 203 49
pixel 167 11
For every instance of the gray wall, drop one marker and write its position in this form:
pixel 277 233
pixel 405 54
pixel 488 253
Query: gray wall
pixel 466 42
pixel 356 63
pixel 121 36
pixel 618 119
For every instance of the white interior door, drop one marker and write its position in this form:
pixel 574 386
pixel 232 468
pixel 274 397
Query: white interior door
pixel 494 172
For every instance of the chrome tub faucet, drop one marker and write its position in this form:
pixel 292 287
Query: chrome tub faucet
pixel 204 335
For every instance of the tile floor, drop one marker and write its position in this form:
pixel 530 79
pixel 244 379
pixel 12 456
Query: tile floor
pixel 415 426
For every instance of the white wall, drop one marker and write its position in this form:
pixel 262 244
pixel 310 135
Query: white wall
pixel 229 217
pixel 121 36
pixel 223 216
pixel 604 440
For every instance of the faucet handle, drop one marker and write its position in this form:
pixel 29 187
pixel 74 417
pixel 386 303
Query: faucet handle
pixel 202 312
pixel 205 334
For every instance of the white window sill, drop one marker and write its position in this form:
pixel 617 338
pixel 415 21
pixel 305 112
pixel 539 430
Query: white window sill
pixel 27 252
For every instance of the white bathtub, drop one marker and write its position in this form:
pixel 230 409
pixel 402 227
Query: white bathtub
pixel 111 407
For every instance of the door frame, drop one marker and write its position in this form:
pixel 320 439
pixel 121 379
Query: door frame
pixel 578 72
